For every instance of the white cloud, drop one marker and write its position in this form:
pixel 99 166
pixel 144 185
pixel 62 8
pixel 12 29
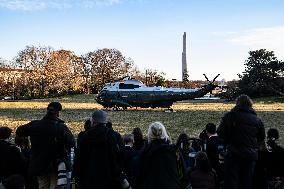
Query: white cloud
pixel 25 5
pixel 268 38
pixel 35 5
pixel 92 3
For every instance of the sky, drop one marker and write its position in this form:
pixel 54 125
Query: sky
pixel 220 33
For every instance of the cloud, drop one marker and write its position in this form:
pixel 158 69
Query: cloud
pixel 35 5
pixel 269 38
pixel 24 5
pixel 93 3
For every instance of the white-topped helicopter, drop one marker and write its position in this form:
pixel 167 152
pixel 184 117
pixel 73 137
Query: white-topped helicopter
pixel 133 93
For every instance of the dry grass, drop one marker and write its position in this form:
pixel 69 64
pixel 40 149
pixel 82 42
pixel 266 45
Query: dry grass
pixel 190 116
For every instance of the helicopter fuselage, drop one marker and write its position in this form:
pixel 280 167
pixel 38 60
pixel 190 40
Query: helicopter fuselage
pixel 133 93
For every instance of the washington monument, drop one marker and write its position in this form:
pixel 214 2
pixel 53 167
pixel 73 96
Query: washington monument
pixel 184 63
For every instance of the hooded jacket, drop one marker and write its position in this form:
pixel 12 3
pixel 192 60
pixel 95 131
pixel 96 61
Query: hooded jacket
pixel 242 132
pixel 97 159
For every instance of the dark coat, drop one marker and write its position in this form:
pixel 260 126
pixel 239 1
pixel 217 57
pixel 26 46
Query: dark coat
pixel 129 164
pixel 12 160
pixel 50 140
pixel 202 180
pixel 97 159
pixel 139 144
pixel 242 132
pixel 274 161
pixel 212 150
pixel 161 166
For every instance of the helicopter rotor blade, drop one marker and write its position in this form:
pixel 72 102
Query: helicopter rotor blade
pixel 215 78
pixel 206 77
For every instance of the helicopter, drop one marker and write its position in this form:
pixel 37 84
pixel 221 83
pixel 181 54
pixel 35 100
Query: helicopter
pixel 133 93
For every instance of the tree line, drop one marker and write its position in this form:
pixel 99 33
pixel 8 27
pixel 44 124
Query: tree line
pixel 39 71
pixel 263 76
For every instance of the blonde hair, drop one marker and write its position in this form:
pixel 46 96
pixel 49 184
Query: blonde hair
pixel 157 131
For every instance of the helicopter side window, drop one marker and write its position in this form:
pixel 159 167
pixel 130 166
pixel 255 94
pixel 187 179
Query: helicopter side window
pixel 121 86
pixel 127 86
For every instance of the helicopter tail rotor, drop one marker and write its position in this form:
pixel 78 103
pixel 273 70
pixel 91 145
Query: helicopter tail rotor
pixel 211 83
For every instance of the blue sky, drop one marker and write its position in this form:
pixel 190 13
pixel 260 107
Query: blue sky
pixel 219 32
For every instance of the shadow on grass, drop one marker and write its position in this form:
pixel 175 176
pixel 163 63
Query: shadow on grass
pixel 189 121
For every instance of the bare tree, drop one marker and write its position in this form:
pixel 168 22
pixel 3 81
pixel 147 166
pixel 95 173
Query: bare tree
pixel 105 65
pixel 32 60
pixel 63 72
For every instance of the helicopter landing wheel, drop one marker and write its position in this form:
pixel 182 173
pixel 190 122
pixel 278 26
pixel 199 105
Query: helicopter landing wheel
pixel 170 110
pixel 115 108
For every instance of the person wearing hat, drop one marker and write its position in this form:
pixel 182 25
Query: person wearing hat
pixel 96 162
pixel 161 164
pixel 51 140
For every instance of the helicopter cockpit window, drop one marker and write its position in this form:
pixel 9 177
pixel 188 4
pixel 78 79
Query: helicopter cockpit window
pixel 103 93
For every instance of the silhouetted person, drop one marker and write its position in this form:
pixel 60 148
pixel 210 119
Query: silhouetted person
pixel 275 155
pixel 213 147
pixel 87 126
pixel 129 155
pixel 118 137
pixel 12 160
pixel 138 139
pixel 24 144
pixel 242 132
pixel 202 176
pixel 14 182
pixel 51 141
pixel 96 163
pixel 184 147
pixel 161 164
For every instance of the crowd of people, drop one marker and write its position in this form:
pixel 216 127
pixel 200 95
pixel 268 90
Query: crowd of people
pixel 236 155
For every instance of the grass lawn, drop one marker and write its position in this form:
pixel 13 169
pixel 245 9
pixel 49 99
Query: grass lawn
pixel 190 116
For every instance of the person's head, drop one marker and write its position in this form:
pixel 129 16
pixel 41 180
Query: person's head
pixel 87 124
pixel 14 182
pixel 273 133
pixel 202 162
pixel 22 142
pixel 244 100
pixel 157 131
pixel 210 129
pixel 182 141
pixel 54 108
pixel 272 138
pixel 128 140
pixel 98 117
pixel 137 133
pixel 5 133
